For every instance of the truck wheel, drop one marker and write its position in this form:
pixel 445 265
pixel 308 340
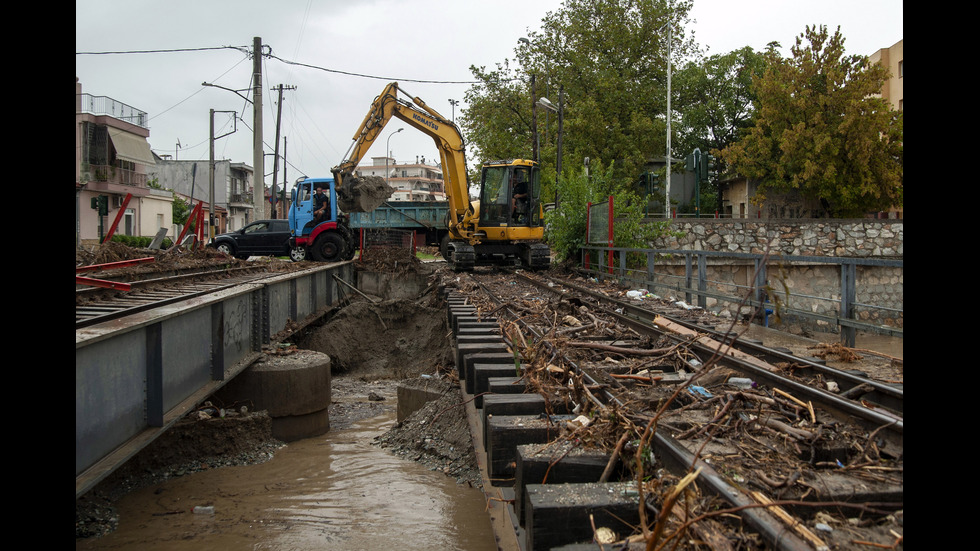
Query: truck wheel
pixel 329 247
pixel 297 254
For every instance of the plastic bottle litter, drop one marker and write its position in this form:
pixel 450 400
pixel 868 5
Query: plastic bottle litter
pixel 743 383
pixel 204 510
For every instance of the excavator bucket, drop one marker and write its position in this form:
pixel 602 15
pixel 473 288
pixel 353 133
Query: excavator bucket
pixel 363 194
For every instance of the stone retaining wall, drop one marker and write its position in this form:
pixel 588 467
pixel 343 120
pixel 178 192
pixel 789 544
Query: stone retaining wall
pixel 861 238
pixel 809 286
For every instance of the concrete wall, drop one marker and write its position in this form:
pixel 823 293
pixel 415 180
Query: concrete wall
pixel 155 211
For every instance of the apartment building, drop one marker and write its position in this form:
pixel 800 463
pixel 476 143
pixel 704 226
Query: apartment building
pixel 232 188
pixel 419 181
pixel 111 161
pixel 893 57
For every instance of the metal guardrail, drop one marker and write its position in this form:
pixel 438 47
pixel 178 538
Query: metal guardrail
pixel 840 311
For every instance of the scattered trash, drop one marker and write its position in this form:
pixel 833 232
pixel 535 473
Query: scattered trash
pixel 742 383
pixel 699 391
pixel 604 535
pixel 823 527
pixel 832 386
pixel 580 421
pixel 203 510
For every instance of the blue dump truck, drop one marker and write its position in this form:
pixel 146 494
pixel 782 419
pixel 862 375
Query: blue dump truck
pixel 335 236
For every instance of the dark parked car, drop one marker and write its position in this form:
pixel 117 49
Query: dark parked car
pixel 260 238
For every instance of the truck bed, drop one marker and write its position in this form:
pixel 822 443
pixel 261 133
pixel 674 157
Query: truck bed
pixel 403 214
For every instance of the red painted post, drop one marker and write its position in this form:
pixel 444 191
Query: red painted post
pixel 200 230
pixel 611 213
pixel 119 215
pixel 192 216
pixel 79 280
pixel 588 222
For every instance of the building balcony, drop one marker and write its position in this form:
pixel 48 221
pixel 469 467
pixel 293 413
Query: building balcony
pixel 107 174
pixel 106 106
pixel 240 199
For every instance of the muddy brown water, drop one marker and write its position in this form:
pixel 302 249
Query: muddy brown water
pixel 336 491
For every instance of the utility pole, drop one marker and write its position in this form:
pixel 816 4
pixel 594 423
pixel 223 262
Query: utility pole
pixel 561 121
pixel 285 182
pixel 275 158
pixel 211 140
pixel 667 200
pixel 258 184
pixel 534 119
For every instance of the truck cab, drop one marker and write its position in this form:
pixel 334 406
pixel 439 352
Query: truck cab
pixel 330 240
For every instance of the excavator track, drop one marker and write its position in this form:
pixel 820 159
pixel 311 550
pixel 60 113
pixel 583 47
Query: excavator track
pixel 460 256
pixel 536 256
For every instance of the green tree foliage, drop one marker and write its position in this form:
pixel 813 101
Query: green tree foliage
pixel 822 129
pixel 716 99
pixel 566 225
pixel 609 56
pixel 180 210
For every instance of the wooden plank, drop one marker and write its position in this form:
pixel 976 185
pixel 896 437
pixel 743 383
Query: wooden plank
pixel 722 348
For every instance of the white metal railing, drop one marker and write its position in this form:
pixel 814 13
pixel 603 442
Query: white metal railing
pixel 103 105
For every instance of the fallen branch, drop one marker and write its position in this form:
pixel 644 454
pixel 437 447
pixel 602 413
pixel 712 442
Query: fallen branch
pixel 796 525
pixel 621 350
pixel 643 378
pixel 614 457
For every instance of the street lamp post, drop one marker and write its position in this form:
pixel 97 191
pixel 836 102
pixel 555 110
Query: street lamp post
pixel 388 153
pixel 543 102
pixel 454 103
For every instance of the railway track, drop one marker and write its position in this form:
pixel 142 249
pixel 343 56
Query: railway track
pixel 97 305
pixel 725 442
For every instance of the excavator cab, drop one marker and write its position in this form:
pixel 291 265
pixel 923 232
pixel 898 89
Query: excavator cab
pixel 510 194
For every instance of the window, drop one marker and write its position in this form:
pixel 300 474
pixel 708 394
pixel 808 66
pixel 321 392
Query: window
pixel 901 68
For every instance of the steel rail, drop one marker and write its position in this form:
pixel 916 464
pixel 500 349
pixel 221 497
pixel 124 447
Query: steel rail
pixel 146 296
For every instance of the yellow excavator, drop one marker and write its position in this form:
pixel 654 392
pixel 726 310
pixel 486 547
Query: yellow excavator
pixel 505 227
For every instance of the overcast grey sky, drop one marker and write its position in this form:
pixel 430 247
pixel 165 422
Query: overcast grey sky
pixel 383 40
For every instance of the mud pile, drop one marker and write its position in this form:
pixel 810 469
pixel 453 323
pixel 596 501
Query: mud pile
pixel 437 435
pixel 363 194
pixel 392 339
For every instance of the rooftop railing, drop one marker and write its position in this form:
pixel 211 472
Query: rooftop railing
pixel 103 105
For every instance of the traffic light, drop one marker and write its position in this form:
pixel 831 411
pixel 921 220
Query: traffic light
pixel 101 204
pixel 653 182
pixel 698 163
pixel 706 161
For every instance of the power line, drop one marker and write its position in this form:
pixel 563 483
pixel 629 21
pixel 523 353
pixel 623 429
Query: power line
pixel 286 61
pixel 239 48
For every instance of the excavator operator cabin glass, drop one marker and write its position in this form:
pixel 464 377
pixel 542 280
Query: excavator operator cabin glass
pixel 495 196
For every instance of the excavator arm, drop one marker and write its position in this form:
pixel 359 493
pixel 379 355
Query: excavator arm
pixel 448 140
